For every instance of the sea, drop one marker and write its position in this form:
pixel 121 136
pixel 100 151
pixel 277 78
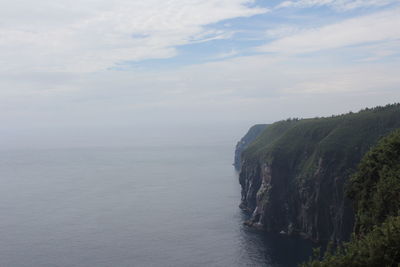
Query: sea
pixel 142 205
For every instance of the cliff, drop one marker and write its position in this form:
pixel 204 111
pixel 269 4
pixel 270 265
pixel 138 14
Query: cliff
pixel 293 175
pixel 375 190
pixel 246 140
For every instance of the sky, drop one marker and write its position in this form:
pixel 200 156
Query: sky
pixel 97 72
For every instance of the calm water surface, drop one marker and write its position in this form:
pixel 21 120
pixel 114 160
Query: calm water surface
pixel 136 206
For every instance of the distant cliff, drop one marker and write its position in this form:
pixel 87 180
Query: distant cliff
pixel 246 140
pixel 293 175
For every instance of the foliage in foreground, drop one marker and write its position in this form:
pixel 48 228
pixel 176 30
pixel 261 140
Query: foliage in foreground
pixel 379 247
pixel 375 189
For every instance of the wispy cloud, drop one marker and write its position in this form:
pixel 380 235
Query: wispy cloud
pixel 342 5
pixel 90 36
pixel 380 51
pixel 227 54
pixel 282 31
pixel 378 27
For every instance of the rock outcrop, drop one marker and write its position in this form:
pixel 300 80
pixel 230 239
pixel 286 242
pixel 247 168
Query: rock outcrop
pixel 294 175
pixel 246 140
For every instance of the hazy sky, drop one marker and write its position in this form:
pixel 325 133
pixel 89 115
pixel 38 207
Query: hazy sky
pixel 99 71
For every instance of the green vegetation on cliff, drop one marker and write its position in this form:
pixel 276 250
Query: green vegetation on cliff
pixel 379 247
pixel 344 136
pixel 246 140
pixel 294 174
pixel 375 188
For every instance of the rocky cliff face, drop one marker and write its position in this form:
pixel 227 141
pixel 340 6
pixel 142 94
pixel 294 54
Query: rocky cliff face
pixel 246 140
pixel 293 175
pixel 315 209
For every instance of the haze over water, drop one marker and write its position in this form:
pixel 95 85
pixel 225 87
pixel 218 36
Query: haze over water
pixel 163 205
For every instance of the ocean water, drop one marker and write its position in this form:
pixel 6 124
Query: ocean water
pixel 130 206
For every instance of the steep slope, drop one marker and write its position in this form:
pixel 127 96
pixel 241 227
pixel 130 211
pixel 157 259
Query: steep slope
pixel 246 140
pixel 375 188
pixel 294 173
